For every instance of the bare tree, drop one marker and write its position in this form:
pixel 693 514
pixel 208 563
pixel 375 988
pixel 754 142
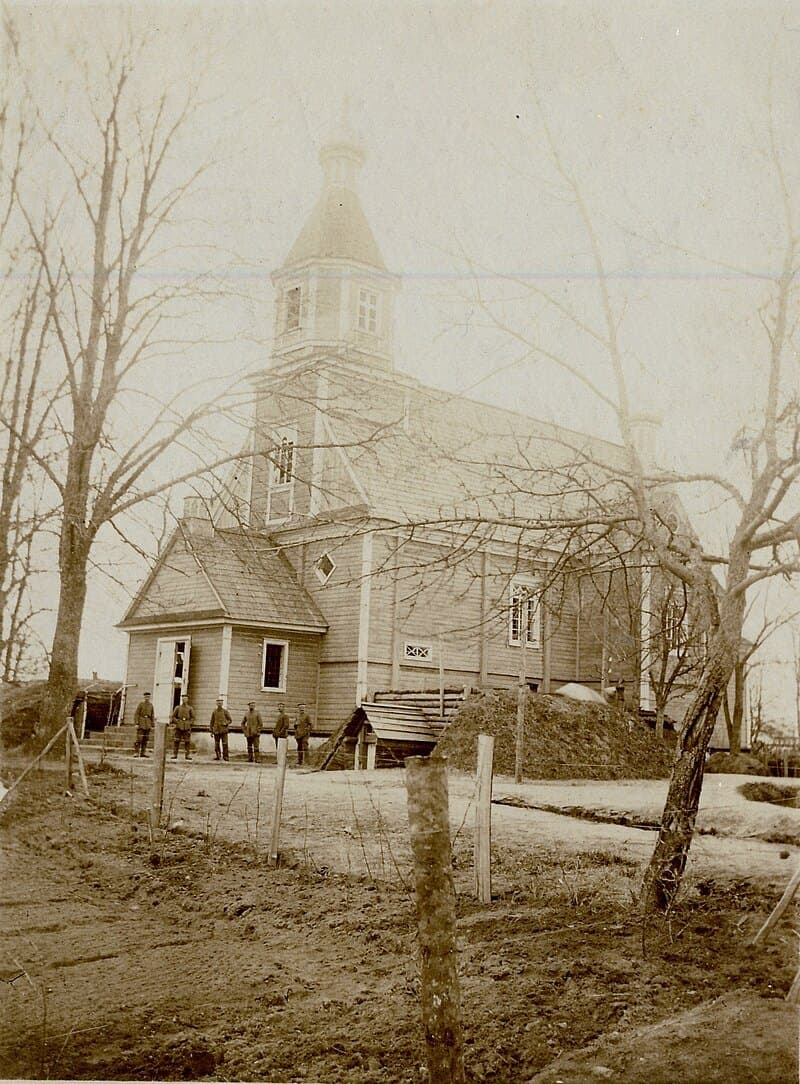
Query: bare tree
pixel 111 206
pixel 736 695
pixel 796 674
pixel 25 321
pixel 765 533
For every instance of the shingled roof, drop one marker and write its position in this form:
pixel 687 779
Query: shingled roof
pixel 337 229
pixel 246 575
pixel 453 457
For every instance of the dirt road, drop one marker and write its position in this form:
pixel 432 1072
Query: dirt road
pixel 193 959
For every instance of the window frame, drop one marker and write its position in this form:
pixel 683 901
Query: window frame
pixel 281 433
pixel 369 307
pixel 418 660
pixel 291 309
pixel 323 577
pixel 284 666
pixel 676 631
pixel 283 462
pixel 533 588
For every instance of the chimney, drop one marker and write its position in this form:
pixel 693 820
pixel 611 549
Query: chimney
pixel 196 518
pixel 646 435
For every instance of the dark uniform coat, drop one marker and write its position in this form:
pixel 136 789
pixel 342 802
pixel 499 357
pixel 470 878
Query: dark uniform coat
pixel 145 716
pixel 183 717
pixel 302 728
pixel 282 724
pixel 252 724
pixel 220 721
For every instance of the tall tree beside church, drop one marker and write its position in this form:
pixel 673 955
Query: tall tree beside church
pixel 24 406
pixel 107 217
pixel 762 488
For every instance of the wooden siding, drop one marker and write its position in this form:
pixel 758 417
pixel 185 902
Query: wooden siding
pixel 203 667
pixel 337 694
pixel 291 403
pixel 435 596
pixel 328 296
pixel 245 673
pixel 339 597
pixel 178 586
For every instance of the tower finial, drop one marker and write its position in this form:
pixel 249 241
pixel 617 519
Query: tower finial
pixel 342 155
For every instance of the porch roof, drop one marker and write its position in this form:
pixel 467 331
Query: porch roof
pixel 251 580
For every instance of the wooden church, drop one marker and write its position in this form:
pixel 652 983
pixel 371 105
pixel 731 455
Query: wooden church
pixel 373 540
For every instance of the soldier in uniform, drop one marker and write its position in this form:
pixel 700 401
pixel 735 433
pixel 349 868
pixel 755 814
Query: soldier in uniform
pixel 302 732
pixel 220 722
pixel 251 728
pixel 182 718
pixel 281 728
pixel 144 718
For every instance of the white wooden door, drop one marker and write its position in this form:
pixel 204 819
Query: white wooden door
pixel 172 674
pixel 163 684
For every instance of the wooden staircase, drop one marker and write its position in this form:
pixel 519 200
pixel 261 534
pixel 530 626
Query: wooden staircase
pixel 114 739
pixel 427 701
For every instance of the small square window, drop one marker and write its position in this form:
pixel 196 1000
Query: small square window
pixel 324 568
pixel 368 311
pixel 294 297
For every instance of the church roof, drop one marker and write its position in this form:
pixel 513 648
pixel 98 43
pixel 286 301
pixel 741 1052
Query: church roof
pixel 337 229
pixel 236 575
pixel 458 459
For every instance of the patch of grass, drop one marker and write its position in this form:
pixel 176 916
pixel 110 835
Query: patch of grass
pixel 772 793
pixel 103 768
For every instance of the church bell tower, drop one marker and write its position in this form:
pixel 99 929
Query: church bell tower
pixel 334 297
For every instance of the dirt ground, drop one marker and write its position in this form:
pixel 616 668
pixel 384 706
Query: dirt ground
pixel 194 959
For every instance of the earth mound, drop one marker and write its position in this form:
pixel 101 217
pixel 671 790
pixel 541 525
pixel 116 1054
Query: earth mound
pixel 20 706
pixel 760 1035
pixel 735 764
pixel 564 739
pixel 19 712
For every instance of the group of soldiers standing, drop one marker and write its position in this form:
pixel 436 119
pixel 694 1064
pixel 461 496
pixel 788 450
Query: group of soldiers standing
pixel 221 722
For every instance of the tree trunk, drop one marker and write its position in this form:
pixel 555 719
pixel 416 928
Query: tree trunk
pixel 62 679
pixel 665 871
pixel 661 711
pixel 735 733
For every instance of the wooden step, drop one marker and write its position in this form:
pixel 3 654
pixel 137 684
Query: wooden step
pixel 113 737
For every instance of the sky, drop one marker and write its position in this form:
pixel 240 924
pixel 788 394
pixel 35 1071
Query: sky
pixel 660 110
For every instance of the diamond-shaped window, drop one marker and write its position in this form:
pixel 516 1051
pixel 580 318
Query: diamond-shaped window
pixel 324 568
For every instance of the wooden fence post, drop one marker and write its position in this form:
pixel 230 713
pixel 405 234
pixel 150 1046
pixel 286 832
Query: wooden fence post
pixel 159 764
pixel 73 737
pixel 68 757
pixel 280 777
pixel 33 764
pixel 426 783
pixel 780 907
pixel 483 820
pixel 522 698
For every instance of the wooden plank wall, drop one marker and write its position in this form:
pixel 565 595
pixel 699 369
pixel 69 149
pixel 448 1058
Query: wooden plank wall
pixel 338 598
pixel 337 694
pixel 179 585
pixel 203 667
pixel 431 598
pixel 247 647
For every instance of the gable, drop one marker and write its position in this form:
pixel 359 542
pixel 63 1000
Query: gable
pixel 178 585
